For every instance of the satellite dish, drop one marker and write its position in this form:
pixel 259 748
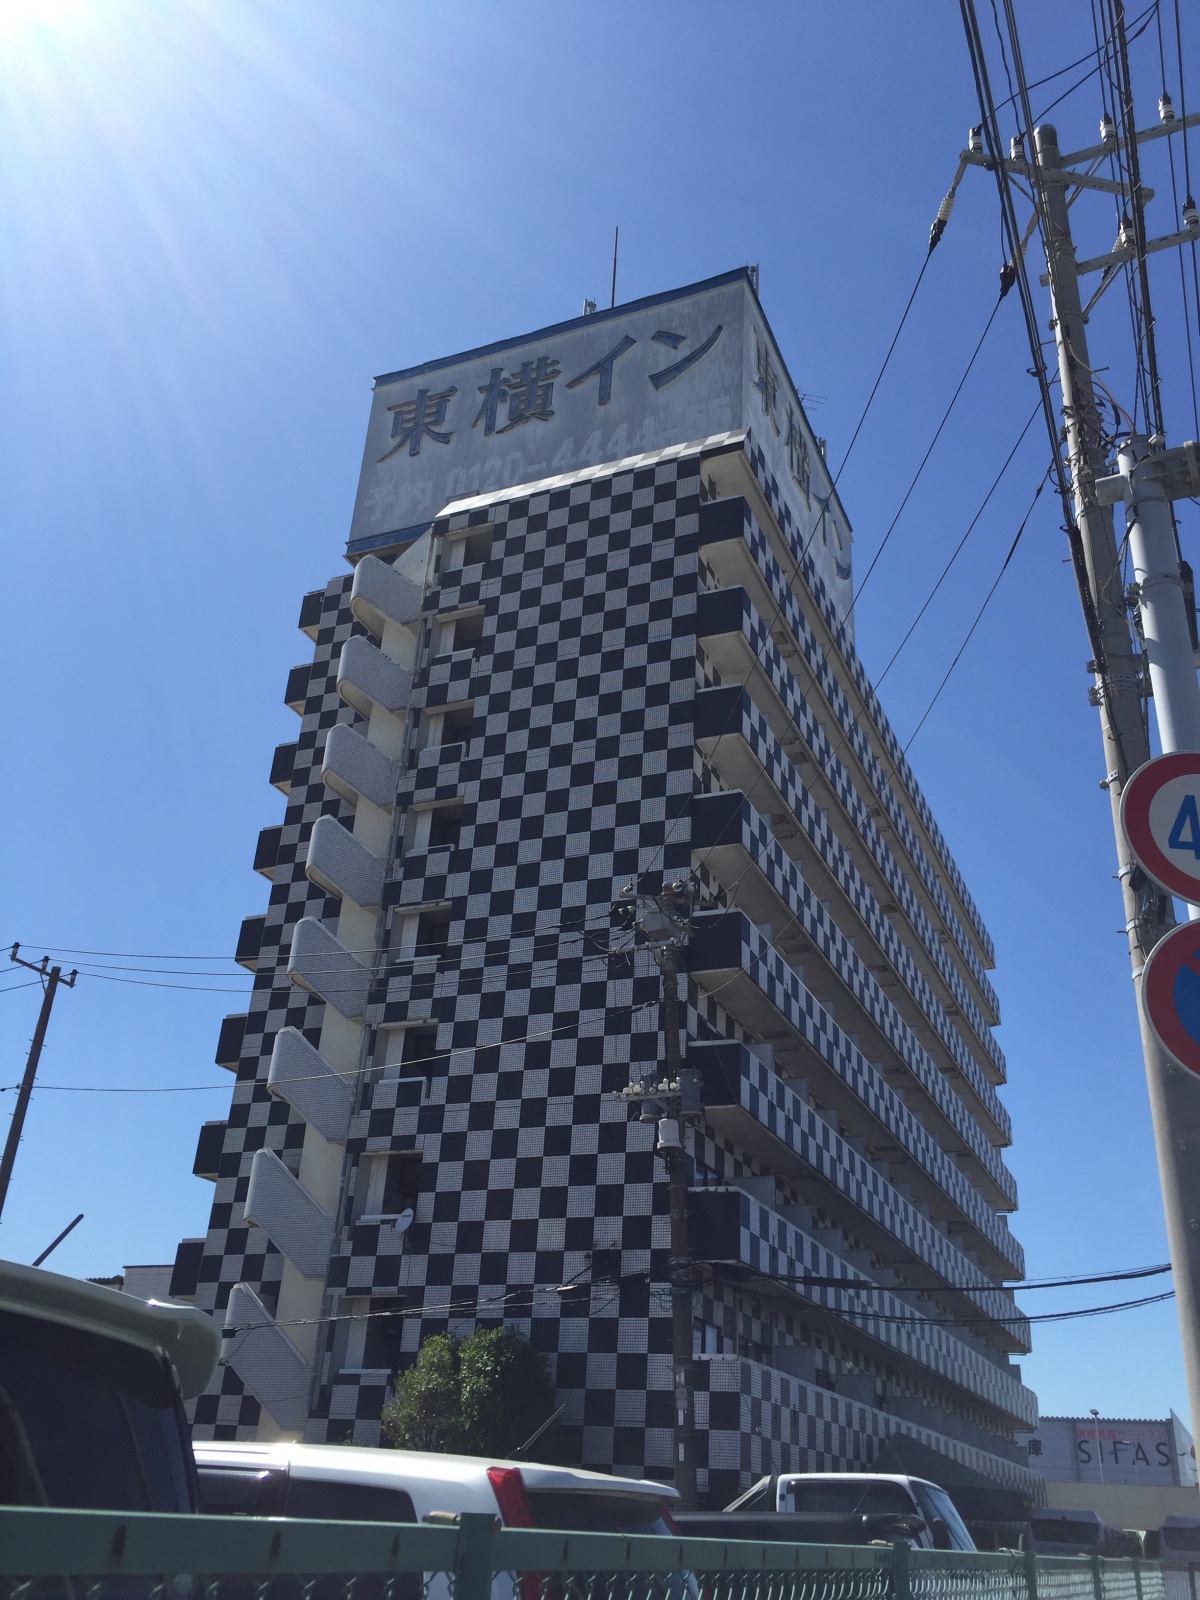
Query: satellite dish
pixel 404 1221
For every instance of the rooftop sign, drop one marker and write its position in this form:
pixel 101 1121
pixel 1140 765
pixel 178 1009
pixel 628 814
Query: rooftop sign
pixel 658 372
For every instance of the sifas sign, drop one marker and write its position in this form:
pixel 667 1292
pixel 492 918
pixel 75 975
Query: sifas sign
pixel 1128 1445
pixel 672 369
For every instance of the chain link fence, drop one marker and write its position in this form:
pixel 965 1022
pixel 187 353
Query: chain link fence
pixel 104 1555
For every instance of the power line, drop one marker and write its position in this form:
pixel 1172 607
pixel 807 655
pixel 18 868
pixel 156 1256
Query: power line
pixel 987 600
pixel 924 461
pixel 375 1067
pixel 523 1292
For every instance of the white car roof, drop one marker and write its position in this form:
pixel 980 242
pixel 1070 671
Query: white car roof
pixel 187 1337
pixel 850 1477
pixel 370 1464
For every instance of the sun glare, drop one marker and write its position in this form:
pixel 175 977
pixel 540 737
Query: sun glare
pixel 53 20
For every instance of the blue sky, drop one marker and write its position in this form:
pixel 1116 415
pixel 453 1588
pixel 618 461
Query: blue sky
pixel 220 218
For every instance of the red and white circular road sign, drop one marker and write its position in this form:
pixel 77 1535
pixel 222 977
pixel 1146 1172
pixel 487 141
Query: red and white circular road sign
pixel 1160 813
pixel 1171 993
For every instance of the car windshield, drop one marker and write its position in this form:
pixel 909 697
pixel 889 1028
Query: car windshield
pixel 1182 1538
pixel 88 1421
pixel 851 1497
pixel 938 1507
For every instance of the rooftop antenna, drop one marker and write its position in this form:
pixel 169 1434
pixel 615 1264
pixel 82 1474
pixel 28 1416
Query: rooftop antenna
pixel 616 236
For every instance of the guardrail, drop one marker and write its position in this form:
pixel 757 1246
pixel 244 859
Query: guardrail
pixel 97 1555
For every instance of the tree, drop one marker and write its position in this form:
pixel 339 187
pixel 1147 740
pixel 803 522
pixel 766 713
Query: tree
pixel 422 1410
pixel 485 1396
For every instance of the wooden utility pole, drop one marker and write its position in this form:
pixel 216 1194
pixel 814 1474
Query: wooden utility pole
pixel 52 978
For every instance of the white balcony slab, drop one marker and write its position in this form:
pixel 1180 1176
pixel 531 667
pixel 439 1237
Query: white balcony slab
pixel 380 594
pixel 366 677
pixel 352 766
pixel 321 964
pixel 289 1216
pixel 301 1075
pixel 265 1359
pixel 340 865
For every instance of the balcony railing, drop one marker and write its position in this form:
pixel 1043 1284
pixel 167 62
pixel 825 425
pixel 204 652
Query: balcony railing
pixel 736 846
pixel 732 961
pixel 753 1106
pixel 736 640
pixel 737 739
pixel 735 1229
pixel 737 551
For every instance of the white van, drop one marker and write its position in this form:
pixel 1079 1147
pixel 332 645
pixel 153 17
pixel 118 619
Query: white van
pixel 359 1483
pixel 91 1389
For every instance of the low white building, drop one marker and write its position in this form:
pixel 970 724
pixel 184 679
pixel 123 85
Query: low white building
pixel 1132 1471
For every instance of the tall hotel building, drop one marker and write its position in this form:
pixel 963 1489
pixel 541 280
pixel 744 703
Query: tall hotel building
pixel 593 633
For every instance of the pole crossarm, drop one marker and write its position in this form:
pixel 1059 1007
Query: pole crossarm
pixel 1177 472
pixel 1129 252
pixel 1160 130
pixel 1061 176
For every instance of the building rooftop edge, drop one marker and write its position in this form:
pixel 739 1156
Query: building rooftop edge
pixel 589 320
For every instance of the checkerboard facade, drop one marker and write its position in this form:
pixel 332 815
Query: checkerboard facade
pixel 592 744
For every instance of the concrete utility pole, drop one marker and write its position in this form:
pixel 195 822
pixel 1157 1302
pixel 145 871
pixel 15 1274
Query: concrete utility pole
pixel 663 1103
pixel 53 978
pixel 1149 476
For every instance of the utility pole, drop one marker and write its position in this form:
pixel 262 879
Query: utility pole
pixel 53 978
pixel 666 1104
pixel 1148 477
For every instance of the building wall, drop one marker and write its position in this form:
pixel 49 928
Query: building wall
pixel 631 672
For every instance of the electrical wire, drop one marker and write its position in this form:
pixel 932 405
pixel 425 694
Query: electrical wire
pixel 987 600
pixel 524 1292
pixel 1088 55
pixel 854 599
pixel 321 1077
pixel 1183 289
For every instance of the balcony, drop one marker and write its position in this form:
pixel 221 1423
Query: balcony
pixel 265 1359
pixel 737 848
pixel 185 1273
pixel 209 1149
pixel 738 1231
pixel 229 1041
pixel 289 1216
pixel 379 595
pixel 753 1107
pixel 737 552
pixel 266 852
pixel 739 744
pixel 342 866
pixel 352 767
pixel 366 678
pixel 311 608
pixel 740 647
pixel 300 1075
pixel 296 692
pixel 321 964
pixel 283 764
pixel 730 959
pixel 249 943
pixel 754 1420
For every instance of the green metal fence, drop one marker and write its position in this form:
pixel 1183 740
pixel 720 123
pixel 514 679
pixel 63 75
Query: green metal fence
pixel 104 1555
